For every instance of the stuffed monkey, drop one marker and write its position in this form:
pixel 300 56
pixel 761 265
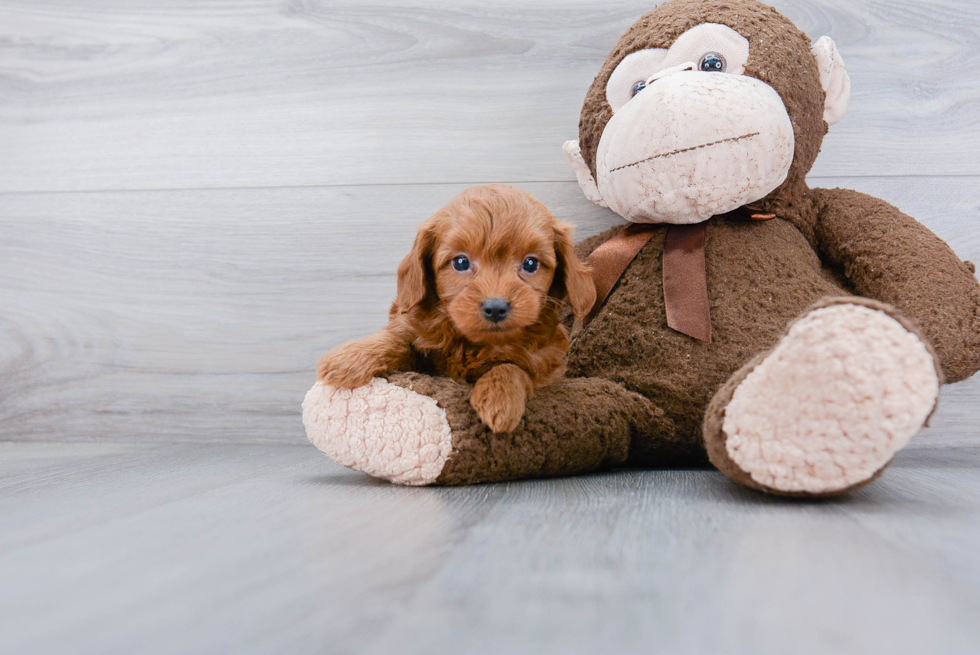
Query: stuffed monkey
pixel 796 338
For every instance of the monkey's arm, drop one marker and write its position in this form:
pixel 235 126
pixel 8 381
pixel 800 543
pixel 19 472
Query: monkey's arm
pixel 889 256
pixel 354 363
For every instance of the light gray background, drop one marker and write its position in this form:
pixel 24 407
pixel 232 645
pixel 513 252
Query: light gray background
pixel 200 197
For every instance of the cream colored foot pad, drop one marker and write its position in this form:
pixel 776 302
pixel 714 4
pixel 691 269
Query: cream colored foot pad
pixel 841 394
pixel 381 429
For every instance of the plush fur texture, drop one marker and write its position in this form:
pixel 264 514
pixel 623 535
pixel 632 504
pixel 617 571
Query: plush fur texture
pixel 597 420
pixel 716 440
pixel 493 243
pixel 779 56
pixel 726 137
pixel 381 429
pixel 641 394
pixel 682 146
pixel 841 393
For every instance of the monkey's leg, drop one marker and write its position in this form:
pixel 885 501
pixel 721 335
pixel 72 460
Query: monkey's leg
pixel 826 410
pixel 415 429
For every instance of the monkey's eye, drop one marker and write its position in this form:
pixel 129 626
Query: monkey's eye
pixel 712 63
pixel 639 86
pixel 530 265
pixel 461 263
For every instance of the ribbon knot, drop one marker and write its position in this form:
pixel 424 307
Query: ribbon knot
pixel 684 282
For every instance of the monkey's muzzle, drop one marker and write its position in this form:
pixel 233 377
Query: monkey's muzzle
pixel 693 145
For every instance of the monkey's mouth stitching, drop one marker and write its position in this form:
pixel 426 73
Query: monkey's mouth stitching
pixel 677 152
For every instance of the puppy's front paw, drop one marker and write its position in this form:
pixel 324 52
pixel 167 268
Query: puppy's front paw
pixel 499 402
pixel 501 413
pixel 347 367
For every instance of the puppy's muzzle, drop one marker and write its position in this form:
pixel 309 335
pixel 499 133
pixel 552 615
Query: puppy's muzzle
pixel 495 309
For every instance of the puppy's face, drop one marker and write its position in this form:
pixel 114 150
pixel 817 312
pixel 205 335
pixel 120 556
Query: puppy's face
pixel 496 257
pixel 493 264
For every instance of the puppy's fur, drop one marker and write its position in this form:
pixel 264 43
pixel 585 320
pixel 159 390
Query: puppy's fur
pixel 437 323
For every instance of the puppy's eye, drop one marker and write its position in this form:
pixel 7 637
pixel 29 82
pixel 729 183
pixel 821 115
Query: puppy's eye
pixel 639 86
pixel 461 263
pixel 530 265
pixel 712 63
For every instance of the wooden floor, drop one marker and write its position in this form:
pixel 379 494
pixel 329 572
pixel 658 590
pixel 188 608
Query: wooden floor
pixel 198 198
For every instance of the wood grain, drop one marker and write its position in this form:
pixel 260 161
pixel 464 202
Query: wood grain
pixel 246 93
pixel 198 198
pixel 199 315
pixel 274 549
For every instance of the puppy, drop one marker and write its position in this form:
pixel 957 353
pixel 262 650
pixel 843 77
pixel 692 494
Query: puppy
pixel 480 298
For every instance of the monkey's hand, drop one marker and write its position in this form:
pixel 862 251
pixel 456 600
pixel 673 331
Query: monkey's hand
pixel 499 396
pixel 354 363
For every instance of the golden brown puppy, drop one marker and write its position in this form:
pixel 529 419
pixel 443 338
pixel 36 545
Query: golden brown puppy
pixel 479 299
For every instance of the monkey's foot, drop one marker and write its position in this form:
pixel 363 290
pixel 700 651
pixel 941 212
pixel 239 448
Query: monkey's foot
pixel 381 429
pixel 826 410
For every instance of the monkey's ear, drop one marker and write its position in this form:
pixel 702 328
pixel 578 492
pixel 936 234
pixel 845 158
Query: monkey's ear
pixel 572 278
pixel 833 78
pixel 582 173
pixel 413 270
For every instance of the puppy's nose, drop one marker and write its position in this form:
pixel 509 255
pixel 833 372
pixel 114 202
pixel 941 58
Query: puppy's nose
pixel 495 309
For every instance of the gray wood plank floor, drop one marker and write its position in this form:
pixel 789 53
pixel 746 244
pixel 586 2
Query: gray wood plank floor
pixel 211 548
pixel 198 198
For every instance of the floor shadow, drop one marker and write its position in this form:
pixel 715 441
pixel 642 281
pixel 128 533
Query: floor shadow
pixel 350 479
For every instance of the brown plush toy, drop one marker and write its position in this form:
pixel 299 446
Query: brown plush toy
pixel 795 337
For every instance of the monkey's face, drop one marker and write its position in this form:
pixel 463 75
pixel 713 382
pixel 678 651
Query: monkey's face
pixel 681 133
pixel 690 136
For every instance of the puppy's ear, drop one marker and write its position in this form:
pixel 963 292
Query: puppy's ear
pixel 415 271
pixel 572 278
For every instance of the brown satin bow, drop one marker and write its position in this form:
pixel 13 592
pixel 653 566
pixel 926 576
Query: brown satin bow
pixel 685 287
pixel 684 280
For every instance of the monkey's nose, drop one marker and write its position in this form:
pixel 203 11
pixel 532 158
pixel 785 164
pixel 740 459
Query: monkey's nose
pixel 495 309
